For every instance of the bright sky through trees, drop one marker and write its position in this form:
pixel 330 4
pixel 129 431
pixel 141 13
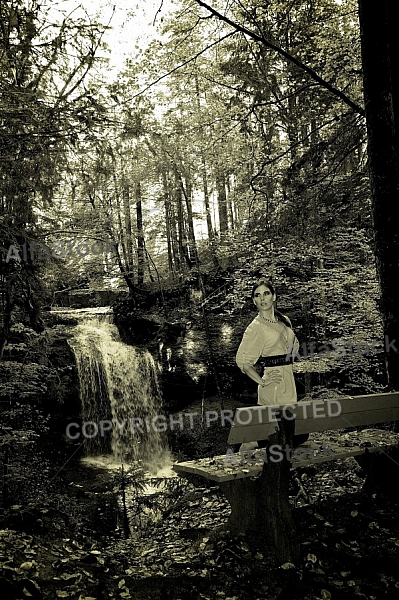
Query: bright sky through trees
pixel 132 24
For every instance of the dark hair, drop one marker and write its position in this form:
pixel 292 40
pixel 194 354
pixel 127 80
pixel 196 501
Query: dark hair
pixel 270 286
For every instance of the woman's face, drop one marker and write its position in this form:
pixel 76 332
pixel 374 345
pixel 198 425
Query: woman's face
pixel 263 298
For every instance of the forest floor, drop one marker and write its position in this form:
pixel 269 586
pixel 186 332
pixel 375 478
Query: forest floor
pixel 74 548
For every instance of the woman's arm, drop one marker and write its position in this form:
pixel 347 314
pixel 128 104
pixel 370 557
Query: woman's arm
pixel 271 376
pixel 249 352
pixel 252 374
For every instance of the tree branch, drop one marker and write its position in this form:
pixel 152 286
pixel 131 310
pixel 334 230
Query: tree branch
pixel 276 158
pixel 262 40
pixel 183 64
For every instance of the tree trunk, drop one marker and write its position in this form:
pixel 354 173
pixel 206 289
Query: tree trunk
pixel 126 275
pixel 222 201
pixel 174 228
pixel 393 58
pixel 260 507
pixel 187 191
pixel 292 125
pixel 128 228
pixel 205 186
pixel 140 235
pixel 182 236
pixel 211 233
pixel 5 311
pixel 122 234
pixel 379 78
pixel 230 204
pixel 170 222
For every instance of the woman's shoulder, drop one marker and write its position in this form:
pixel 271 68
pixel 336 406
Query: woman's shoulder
pixel 285 318
pixel 253 326
pixel 255 322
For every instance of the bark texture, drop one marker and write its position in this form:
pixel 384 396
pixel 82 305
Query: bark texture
pixel 260 507
pixel 380 62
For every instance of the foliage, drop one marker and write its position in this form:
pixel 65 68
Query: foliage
pixel 42 67
pixel 291 157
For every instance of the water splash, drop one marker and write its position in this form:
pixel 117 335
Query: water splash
pixel 118 385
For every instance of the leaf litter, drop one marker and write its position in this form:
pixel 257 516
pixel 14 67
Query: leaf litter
pixel 349 544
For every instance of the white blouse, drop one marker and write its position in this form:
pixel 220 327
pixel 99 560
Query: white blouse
pixel 262 338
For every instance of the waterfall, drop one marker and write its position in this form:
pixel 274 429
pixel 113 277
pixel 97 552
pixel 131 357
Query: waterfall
pixel 120 395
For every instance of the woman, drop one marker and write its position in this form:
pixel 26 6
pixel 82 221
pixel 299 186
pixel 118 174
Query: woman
pixel 270 340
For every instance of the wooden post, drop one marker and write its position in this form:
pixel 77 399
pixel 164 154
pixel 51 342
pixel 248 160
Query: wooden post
pixel 260 506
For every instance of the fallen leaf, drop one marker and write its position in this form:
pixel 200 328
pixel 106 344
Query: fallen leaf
pixel 311 558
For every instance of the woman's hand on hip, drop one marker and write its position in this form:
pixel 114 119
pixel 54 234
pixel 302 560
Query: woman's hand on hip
pixel 272 376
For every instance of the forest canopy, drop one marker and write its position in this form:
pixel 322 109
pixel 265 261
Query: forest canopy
pixel 232 141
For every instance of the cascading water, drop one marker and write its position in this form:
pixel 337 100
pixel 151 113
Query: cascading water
pixel 120 396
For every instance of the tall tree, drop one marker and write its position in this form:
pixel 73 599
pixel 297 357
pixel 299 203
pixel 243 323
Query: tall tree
pixel 44 107
pixel 140 235
pixel 380 75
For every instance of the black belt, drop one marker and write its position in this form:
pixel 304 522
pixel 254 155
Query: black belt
pixel 275 361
